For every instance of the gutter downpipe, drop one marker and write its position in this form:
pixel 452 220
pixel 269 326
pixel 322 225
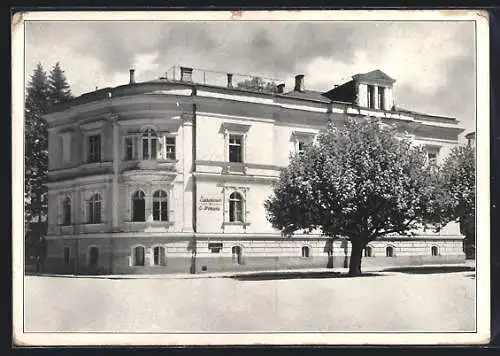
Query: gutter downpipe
pixel 193 179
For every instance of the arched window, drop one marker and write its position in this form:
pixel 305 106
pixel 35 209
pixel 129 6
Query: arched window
pixel 389 251
pixel 434 251
pixel 237 255
pixel 368 251
pixel 160 206
pixel 93 256
pixel 138 206
pixel 66 255
pixel 149 144
pixel 235 207
pixel 305 251
pixel 139 256
pixel 159 256
pixel 94 209
pixel 66 211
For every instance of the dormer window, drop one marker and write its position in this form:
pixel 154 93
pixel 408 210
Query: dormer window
pixel 371 96
pixel 380 98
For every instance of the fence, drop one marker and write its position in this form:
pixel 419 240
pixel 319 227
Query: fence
pixel 222 79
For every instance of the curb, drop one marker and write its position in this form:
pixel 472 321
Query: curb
pixel 234 274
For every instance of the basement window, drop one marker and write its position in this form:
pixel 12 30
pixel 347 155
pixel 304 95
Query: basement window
pixel 215 247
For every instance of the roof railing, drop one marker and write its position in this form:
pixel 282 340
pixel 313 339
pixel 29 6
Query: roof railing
pixel 222 79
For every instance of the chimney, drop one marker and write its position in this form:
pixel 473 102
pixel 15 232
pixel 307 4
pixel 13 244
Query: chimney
pixel 299 82
pixel 186 74
pixel 281 88
pixel 132 76
pixel 229 80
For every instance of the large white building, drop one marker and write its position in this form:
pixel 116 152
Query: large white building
pixel 171 176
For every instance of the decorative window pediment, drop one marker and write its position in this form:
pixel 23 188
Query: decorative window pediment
pixel 234 127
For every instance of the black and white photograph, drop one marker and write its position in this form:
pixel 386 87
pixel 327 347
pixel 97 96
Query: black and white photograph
pixel 270 177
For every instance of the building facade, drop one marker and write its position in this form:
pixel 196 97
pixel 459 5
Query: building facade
pixel 171 176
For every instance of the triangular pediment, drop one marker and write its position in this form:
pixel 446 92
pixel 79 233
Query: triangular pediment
pixel 374 76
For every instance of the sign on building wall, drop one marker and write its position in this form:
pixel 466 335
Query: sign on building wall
pixel 210 202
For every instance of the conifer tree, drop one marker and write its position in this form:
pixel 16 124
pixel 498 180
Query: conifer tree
pixel 59 89
pixel 35 145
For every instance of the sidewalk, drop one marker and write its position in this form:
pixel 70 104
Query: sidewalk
pixel 230 274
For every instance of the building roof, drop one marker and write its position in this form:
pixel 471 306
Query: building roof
pixel 375 75
pixel 308 95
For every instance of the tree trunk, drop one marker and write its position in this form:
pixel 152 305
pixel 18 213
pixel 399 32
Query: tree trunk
pixel 357 246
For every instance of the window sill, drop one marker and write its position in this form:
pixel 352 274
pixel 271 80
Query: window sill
pixel 235 168
pixel 236 223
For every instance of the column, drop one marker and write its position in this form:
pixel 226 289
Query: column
pixel 388 101
pixel 375 97
pixel 187 167
pixel 116 172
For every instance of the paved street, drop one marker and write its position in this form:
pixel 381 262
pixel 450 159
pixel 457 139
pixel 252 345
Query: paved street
pixel 321 302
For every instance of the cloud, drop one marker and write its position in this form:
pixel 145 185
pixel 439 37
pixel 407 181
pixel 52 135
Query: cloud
pixel 432 62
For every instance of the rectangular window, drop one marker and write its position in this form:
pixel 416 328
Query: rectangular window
pixel 371 96
pixel 432 157
pixel 94 212
pixel 381 98
pixel 94 149
pixel 129 148
pixel 235 148
pixel 170 148
pixel 160 211
pixel 301 146
pixel 215 247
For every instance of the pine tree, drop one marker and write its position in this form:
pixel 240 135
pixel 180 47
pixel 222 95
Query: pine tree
pixel 36 154
pixel 59 89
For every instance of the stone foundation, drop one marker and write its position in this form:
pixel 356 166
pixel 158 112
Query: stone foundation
pixel 116 254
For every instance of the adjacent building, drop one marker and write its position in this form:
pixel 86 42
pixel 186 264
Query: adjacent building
pixel 170 175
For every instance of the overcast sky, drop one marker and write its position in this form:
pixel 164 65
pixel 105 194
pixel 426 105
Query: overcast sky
pixel 433 62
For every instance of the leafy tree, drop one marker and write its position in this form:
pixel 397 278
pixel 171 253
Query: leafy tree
pixel 359 181
pixel 459 181
pixel 59 89
pixel 258 84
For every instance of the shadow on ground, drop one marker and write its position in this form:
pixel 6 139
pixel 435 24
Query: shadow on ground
pixel 431 269
pixel 266 276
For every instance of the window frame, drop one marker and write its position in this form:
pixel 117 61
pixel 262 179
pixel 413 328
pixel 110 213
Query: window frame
pixel 370 100
pixel 146 135
pixel 135 260
pixel 91 156
pixel 305 251
pixel 241 145
pixel 162 258
pixel 164 205
pixel 237 254
pixel 166 145
pixel 66 217
pixel 134 154
pixel 141 196
pixel 233 208
pixel 91 211
pixel 391 254
pixel 381 97
pixel 368 251
pixel 434 248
